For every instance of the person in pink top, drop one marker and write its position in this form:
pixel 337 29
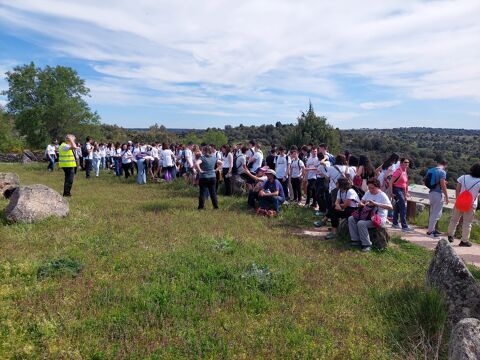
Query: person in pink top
pixel 399 190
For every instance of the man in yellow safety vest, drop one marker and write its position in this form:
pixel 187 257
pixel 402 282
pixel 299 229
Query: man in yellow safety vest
pixel 67 161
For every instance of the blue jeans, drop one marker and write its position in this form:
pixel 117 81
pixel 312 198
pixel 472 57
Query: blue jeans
pixel 142 172
pixel 103 161
pixel 269 202
pixel 51 162
pixel 96 166
pixel 400 208
pixel 118 166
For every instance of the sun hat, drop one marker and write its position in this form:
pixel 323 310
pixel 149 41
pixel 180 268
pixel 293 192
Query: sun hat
pixel 271 172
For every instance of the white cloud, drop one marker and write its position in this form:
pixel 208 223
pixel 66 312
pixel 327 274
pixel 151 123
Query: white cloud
pixel 258 55
pixel 379 105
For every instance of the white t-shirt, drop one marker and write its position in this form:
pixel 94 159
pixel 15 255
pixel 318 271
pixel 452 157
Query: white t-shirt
pixel 188 157
pixel 312 162
pixel 333 173
pixel 297 167
pixel 227 160
pixel 380 198
pixel 50 149
pixel 472 184
pixel 97 154
pixel 89 150
pixel 258 156
pixel 349 194
pixel 103 151
pixel 126 156
pixel 239 163
pixel 352 170
pixel 167 160
pixel 281 165
pixel 154 152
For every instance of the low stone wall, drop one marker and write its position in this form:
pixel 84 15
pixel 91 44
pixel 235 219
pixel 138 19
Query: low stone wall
pixel 449 274
pixel 26 156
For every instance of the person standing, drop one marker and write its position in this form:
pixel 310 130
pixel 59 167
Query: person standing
pixel 96 159
pixel 50 155
pixel 470 183
pixel 206 166
pixel 66 161
pixel 282 166
pixel 437 186
pixel 88 156
pixel 399 190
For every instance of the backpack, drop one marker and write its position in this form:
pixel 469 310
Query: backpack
pixel 84 150
pixel 234 166
pixel 331 159
pixel 464 201
pixel 428 179
pixel 365 213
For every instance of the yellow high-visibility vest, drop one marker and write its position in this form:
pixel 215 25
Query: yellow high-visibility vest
pixel 66 158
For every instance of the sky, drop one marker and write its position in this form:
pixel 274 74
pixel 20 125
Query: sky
pixel 199 64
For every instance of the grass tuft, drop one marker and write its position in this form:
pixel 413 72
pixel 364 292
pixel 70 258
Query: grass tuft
pixel 59 267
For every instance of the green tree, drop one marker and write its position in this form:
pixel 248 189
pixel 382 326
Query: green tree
pixel 9 138
pixel 216 137
pixel 48 103
pixel 191 137
pixel 313 129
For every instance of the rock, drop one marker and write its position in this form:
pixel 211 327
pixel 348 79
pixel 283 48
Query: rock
pixel 465 340
pixel 378 237
pixel 448 273
pixel 30 155
pixel 34 203
pixel 420 208
pixel 26 159
pixel 238 185
pixel 8 183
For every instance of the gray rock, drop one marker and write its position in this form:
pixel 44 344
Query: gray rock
pixel 34 203
pixel 420 208
pixel 30 155
pixel 238 185
pixel 8 183
pixel 448 273
pixel 378 237
pixel 465 340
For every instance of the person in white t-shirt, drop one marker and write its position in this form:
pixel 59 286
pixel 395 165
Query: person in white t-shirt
pixel 97 159
pixel 126 156
pixel 296 175
pixel 50 154
pixel 470 182
pixel 255 161
pixel 346 203
pixel 311 174
pixel 282 168
pixel 167 162
pixel 380 203
pixel 227 159
pixel 384 172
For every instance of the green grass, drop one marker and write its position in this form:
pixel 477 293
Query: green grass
pixel 137 272
pixel 422 220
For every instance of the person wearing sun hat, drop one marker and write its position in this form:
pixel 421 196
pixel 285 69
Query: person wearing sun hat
pixel 271 195
pixel 258 179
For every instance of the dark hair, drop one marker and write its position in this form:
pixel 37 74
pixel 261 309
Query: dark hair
pixel 88 138
pixel 304 148
pixel 443 162
pixel 368 169
pixel 281 148
pixel 343 183
pixel 293 147
pixel 340 160
pixel 352 161
pixel 475 170
pixel 375 182
pixel 226 149
pixel 244 149
pixel 252 142
pixel 323 146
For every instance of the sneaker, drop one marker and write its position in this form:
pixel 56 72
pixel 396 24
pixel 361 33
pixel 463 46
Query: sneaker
pixel 432 234
pixel 271 213
pixel 261 211
pixel 450 239
pixel 395 226
pixel 407 229
pixel 319 223
pixel 319 213
pixel 465 243
pixel 366 249
pixel 437 233
pixel 330 236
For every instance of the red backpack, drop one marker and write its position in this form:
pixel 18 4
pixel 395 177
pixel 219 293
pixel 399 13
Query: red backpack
pixel 464 201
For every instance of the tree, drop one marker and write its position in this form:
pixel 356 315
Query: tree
pixel 216 137
pixel 9 139
pixel 313 129
pixel 48 103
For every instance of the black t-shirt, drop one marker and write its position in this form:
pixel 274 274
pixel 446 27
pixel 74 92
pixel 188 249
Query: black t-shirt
pixel 270 160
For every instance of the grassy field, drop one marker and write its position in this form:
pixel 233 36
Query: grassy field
pixel 137 272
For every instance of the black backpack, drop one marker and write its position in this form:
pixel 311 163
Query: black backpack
pixel 234 166
pixel 84 150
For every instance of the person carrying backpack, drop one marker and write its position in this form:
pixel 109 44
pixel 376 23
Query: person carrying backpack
pixel 468 187
pixel 435 180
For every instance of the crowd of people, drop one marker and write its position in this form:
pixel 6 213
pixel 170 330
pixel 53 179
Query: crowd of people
pixel 342 186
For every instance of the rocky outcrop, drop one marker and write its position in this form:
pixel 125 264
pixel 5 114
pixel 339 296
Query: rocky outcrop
pixel 465 340
pixel 28 157
pixel 451 277
pixel 34 203
pixel 238 185
pixel 8 183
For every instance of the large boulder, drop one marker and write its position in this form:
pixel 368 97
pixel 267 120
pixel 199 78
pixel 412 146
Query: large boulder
pixel 465 340
pixel 8 183
pixel 378 237
pixel 34 203
pixel 448 273
pixel 238 185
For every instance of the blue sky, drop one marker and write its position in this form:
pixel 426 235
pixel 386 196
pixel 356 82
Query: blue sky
pixel 196 64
